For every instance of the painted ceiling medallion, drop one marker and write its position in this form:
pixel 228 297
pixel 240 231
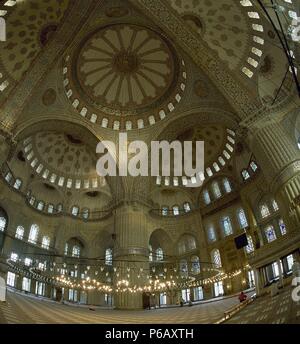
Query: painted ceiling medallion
pixel 124 77
pixel 49 97
pixel 125 67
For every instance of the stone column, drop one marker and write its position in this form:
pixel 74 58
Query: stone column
pixel 3 277
pixel 3 267
pixel 208 291
pixel 19 282
pixel 48 291
pixel 279 159
pixel 131 251
pixel 33 284
pixel 280 271
pixel 258 283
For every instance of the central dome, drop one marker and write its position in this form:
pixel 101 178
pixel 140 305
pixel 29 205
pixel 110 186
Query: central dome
pixel 125 67
pixel 122 73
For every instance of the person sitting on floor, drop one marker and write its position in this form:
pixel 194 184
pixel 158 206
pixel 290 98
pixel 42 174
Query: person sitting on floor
pixel 242 297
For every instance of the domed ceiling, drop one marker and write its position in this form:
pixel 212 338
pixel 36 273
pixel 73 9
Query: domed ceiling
pixel 30 24
pixel 62 159
pixel 275 80
pixel 125 76
pixel 125 67
pixel 215 137
pixel 229 27
pixel 219 145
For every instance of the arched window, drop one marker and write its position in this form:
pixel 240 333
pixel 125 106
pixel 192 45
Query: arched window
pixel 227 185
pixel 140 123
pixel 32 200
pixel 8 177
pixel 264 211
pixel 245 174
pixel 195 264
pixel 242 218
pixel 50 208
pixel 85 213
pixel 40 205
pixel 28 261
pixel 250 247
pixel 206 197
pixel 150 254
pixel 226 225
pixel 216 190
pixel 270 233
pixel 253 166
pixel 282 227
pixel 176 210
pixel 59 208
pixel 187 207
pixel 216 258
pixel 75 210
pixel 211 234
pixel 108 256
pixel 46 242
pixel 18 184
pixel 42 266
pixel 275 205
pixel 66 250
pixel 76 251
pixel 14 257
pixel 33 234
pixel 165 210
pixel 20 233
pixel 159 253
pixel 3 223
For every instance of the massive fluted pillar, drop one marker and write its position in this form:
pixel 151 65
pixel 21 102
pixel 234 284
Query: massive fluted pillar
pixel 131 255
pixel 279 159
